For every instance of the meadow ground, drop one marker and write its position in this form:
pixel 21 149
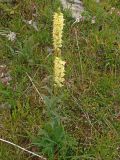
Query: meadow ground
pixel 82 120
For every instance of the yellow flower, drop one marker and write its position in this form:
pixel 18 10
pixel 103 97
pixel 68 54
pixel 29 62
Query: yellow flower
pixel 59 71
pixel 59 64
pixel 58 23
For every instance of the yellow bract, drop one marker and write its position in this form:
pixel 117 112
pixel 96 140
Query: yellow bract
pixel 58 23
pixel 59 71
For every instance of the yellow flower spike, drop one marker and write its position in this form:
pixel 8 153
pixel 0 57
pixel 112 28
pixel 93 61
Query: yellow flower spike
pixel 59 72
pixel 59 64
pixel 58 23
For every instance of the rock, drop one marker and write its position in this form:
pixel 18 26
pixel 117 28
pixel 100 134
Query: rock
pixel 76 7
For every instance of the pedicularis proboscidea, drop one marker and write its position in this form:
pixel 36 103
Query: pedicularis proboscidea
pixel 59 64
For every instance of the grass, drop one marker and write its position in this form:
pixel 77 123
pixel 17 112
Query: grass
pixel 83 120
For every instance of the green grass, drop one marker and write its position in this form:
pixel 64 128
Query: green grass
pixel 82 121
